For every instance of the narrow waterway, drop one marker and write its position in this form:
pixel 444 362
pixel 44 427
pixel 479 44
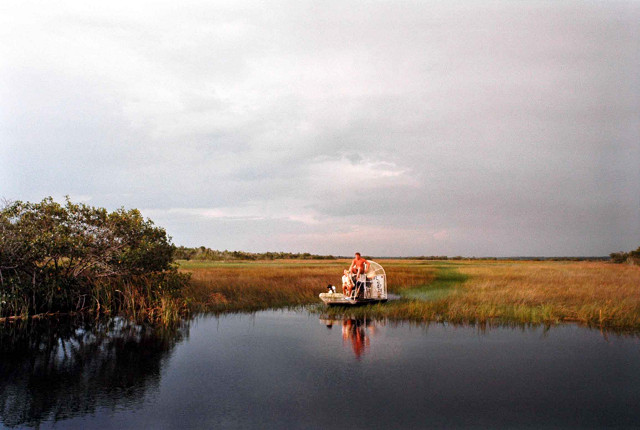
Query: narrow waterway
pixel 288 369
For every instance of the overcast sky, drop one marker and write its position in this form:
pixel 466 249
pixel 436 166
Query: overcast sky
pixel 386 127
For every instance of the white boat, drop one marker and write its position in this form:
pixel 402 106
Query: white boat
pixel 370 288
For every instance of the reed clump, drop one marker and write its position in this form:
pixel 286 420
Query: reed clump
pixel 156 297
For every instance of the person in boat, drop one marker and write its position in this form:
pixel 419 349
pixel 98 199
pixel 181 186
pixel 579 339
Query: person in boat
pixel 359 266
pixel 347 283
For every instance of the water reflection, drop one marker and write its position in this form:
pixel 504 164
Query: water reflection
pixel 54 370
pixel 281 369
pixel 355 331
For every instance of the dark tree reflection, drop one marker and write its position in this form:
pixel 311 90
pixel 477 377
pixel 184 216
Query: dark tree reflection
pixel 53 370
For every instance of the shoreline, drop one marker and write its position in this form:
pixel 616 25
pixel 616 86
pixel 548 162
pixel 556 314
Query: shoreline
pixel 593 294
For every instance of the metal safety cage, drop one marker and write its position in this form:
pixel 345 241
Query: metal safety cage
pixel 376 282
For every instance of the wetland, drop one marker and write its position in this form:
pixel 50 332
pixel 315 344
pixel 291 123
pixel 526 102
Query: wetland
pixel 301 369
pixel 486 344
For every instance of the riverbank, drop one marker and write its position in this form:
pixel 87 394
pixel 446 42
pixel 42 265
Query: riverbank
pixel 474 292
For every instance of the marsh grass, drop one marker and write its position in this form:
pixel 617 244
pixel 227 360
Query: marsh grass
pixel 596 294
pixel 445 282
pixel 260 285
pixel 592 293
pixel 155 297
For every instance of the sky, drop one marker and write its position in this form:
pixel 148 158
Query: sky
pixel 393 128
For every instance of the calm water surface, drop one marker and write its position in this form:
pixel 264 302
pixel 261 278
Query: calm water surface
pixel 286 369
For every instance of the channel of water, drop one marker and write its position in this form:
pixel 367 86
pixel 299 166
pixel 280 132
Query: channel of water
pixel 296 369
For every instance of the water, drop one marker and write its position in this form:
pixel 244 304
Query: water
pixel 288 369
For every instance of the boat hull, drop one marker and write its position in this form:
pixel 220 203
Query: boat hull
pixel 340 300
pixel 360 302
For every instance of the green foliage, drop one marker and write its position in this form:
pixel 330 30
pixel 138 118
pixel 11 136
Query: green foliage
pixel 52 256
pixel 624 257
pixel 619 257
pixel 447 279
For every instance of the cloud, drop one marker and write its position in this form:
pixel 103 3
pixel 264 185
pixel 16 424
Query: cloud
pixel 511 127
pixel 255 210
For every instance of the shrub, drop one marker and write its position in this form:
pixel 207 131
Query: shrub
pixel 52 256
pixel 619 257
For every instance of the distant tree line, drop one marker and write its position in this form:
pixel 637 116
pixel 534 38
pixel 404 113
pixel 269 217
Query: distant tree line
pixel 556 258
pixel 632 257
pixel 459 257
pixel 60 258
pixel 208 254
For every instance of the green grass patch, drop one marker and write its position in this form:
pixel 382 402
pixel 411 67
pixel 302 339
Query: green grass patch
pixel 447 280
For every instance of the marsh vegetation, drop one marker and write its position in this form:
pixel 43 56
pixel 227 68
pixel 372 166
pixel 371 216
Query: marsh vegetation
pixel 76 258
pixel 237 286
pixel 475 292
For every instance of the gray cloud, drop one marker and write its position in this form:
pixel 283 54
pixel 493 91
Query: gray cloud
pixel 395 128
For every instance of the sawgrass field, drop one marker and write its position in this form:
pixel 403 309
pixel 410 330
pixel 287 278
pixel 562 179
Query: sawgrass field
pixel 599 294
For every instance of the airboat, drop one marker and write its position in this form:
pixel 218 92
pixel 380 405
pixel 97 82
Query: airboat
pixel 370 288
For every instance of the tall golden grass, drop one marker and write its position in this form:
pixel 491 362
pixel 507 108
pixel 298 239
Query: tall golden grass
pixel 521 292
pixel 594 293
pixel 260 285
pixel 597 294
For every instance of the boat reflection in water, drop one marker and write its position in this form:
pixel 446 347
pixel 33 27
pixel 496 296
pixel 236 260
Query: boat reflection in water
pixel 281 369
pixel 355 331
pixel 54 370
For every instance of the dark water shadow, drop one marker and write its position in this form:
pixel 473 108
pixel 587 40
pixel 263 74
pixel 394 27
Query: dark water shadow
pixel 51 370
